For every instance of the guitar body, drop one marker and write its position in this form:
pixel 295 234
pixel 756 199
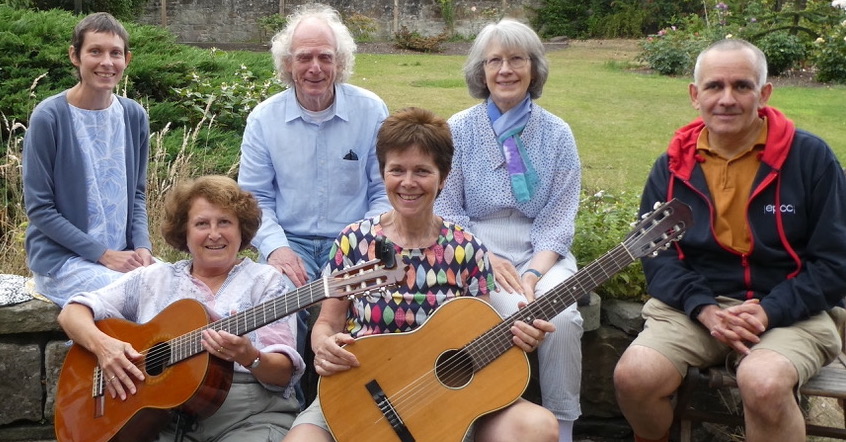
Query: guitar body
pixel 196 385
pixel 437 401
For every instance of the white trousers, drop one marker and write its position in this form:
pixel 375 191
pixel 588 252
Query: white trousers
pixel 560 355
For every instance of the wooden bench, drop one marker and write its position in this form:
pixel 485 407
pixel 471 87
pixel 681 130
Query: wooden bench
pixel 829 382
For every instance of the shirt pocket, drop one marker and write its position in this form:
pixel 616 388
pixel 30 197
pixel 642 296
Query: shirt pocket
pixel 348 177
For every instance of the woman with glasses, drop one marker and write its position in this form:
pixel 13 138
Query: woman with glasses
pixel 515 184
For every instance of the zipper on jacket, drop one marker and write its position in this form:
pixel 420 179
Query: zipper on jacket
pixel 747 275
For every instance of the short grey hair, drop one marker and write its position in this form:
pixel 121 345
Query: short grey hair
pixel 344 43
pixel 734 44
pixel 510 34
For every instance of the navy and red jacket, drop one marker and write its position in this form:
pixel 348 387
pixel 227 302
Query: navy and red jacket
pixel 797 223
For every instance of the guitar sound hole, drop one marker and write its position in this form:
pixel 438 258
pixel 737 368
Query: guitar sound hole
pixel 454 369
pixel 157 359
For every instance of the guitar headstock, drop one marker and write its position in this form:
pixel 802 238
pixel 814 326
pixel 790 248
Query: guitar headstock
pixel 659 228
pixel 361 279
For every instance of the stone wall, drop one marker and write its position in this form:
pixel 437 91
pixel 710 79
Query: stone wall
pixel 33 347
pixel 233 21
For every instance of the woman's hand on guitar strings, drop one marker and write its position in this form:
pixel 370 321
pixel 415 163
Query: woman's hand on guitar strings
pixel 330 357
pixel 119 371
pixel 529 337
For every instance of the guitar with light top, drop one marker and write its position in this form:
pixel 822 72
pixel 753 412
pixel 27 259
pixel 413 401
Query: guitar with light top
pixel 178 373
pixel 432 383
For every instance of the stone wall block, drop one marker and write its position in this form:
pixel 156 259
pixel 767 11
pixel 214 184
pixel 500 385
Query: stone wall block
pixel 624 315
pixel 20 383
pixel 54 357
pixel 601 349
pixel 591 313
pixel 29 317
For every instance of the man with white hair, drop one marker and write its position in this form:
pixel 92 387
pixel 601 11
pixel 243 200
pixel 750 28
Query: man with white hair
pixel 308 153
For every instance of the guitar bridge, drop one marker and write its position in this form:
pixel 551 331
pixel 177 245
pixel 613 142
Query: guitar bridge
pixel 388 410
pixel 98 392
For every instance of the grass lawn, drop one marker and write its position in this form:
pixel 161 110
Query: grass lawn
pixel 622 118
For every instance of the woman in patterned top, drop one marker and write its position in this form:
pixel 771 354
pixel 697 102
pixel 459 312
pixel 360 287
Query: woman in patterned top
pixel 515 183
pixel 212 219
pixel 414 148
pixel 85 171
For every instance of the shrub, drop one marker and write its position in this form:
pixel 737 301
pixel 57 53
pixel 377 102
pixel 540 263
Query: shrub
pixel 227 102
pixel 361 26
pixel 671 52
pixel 448 14
pixel 830 56
pixel 783 51
pixel 602 223
pixel 626 20
pixel 414 41
pixel 122 9
pixel 272 24
pixel 34 45
pixel 561 18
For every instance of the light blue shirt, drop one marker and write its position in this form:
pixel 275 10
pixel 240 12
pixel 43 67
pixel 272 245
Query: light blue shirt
pixel 301 173
pixel 478 186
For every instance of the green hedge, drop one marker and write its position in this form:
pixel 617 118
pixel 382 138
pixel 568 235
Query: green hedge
pixel 34 64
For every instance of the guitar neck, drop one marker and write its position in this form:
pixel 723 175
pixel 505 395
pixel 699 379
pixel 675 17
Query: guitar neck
pixel 189 344
pixel 496 341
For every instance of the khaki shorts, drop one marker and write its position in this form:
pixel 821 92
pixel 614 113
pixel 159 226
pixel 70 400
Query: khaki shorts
pixel 807 344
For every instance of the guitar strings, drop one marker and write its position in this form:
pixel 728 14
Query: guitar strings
pixel 189 344
pixel 497 340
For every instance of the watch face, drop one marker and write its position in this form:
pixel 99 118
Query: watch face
pixel 256 362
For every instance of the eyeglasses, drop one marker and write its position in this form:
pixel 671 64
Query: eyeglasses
pixel 515 62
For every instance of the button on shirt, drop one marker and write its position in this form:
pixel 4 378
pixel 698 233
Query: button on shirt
pixel 302 173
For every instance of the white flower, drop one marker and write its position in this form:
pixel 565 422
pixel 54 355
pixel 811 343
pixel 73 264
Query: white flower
pixel 819 40
pixel 473 8
pixel 729 36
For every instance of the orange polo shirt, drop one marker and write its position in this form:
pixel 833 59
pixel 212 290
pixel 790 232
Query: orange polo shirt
pixel 730 183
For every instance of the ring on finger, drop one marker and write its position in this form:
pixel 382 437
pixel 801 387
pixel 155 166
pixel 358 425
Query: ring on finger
pixel 112 378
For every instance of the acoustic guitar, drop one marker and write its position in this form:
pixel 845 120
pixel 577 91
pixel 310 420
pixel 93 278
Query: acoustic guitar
pixel 178 373
pixel 432 383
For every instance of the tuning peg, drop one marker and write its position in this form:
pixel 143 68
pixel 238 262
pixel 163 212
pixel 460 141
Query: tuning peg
pixel 657 205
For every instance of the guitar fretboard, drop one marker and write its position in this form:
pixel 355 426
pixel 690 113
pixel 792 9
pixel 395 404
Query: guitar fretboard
pixel 493 343
pixel 190 344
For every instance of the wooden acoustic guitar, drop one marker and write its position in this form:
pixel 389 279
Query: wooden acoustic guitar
pixel 432 383
pixel 179 373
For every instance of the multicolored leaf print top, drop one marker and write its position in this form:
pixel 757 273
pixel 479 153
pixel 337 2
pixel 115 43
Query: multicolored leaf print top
pixel 456 265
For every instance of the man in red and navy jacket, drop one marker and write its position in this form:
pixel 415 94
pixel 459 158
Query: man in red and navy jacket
pixel 758 276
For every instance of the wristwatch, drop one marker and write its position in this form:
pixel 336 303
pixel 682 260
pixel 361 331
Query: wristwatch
pixel 534 272
pixel 256 362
